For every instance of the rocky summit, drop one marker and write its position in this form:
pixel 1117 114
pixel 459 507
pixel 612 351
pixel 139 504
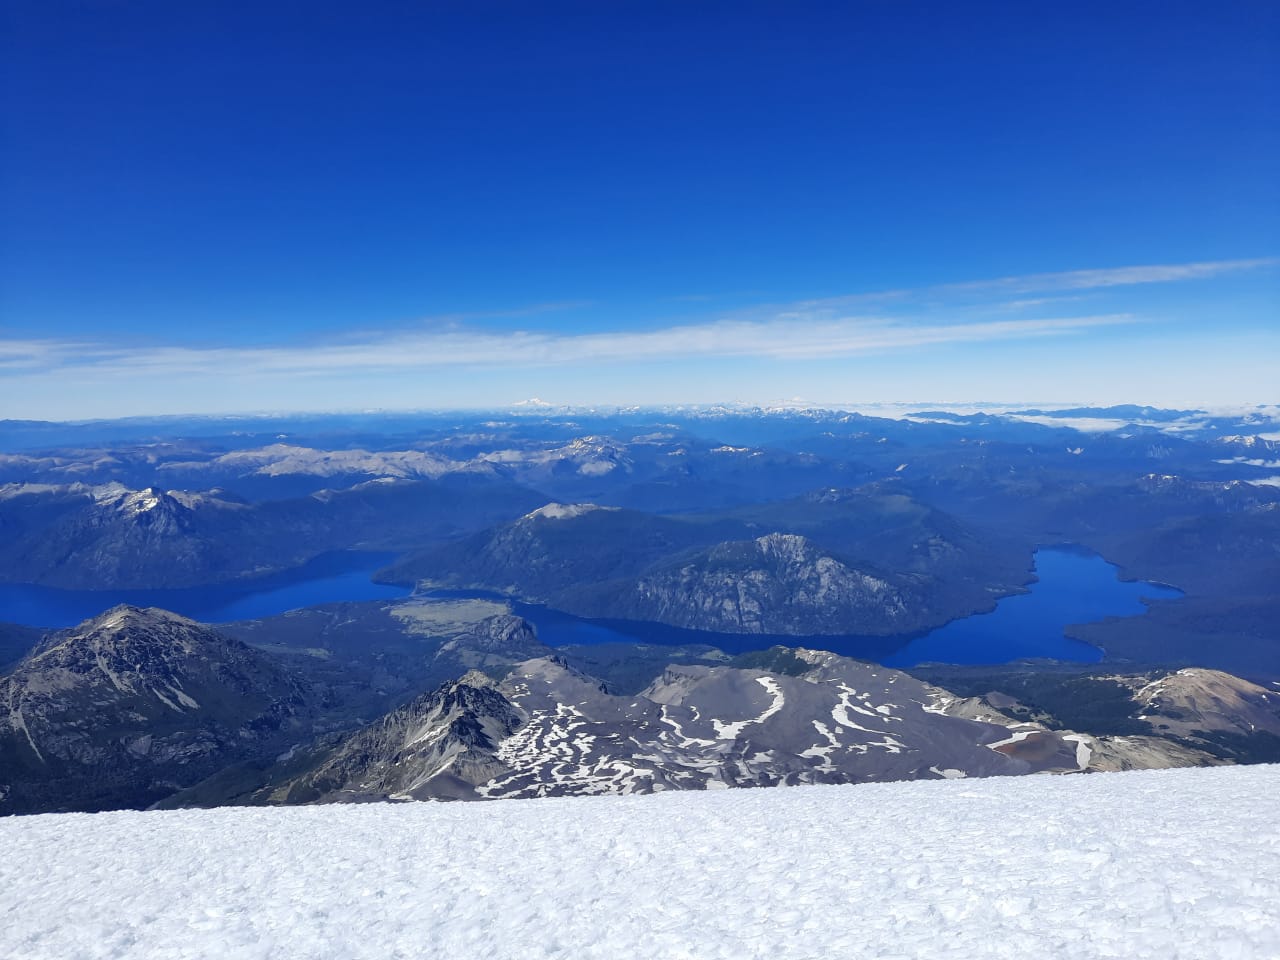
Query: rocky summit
pixel 777 584
pixel 131 705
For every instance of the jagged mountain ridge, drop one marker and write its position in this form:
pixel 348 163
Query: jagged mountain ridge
pixel 444 742
pixel 645 471
pixel 548 730
pixel 110 537
pixel 804 716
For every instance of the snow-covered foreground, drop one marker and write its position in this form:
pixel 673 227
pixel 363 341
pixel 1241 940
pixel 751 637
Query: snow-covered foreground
pixel 1173 863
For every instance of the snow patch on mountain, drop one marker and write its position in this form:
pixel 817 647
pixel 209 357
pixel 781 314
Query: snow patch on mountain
pixel 563 511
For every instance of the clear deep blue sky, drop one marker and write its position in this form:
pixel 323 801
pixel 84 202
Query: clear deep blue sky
pixel 232 206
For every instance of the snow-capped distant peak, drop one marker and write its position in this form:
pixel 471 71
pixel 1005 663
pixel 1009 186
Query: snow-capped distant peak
pixel 125 500
pixel 141 501
pixel 564 511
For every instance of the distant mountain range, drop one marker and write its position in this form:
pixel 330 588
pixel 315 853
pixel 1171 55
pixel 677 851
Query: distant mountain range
pixel 110 537
pixel 708 525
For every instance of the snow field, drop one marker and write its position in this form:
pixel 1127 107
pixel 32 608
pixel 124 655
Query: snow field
pixel 1162 864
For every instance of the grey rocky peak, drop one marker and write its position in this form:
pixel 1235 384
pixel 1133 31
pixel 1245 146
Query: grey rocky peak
pixel 474 678
pixel 780 583
pixel 440 746
pixel 133 704
pixel 495 641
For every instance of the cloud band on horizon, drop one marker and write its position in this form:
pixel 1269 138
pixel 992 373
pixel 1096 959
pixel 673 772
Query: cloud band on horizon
pixel 782 339
pixel 805 330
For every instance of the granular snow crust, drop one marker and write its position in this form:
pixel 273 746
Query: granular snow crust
pixel 1162 864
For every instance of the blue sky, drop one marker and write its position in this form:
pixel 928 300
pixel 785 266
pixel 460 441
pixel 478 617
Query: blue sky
pixel 224 207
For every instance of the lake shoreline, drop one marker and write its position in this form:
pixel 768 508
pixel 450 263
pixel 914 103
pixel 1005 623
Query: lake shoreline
pixel 1068 585
pixel 559 628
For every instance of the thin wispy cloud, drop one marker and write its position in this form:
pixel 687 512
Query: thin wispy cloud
pixel 1033 302
pixel 511 313
pixel 782 339
pixel 805 330
pixel 1112 277
pixel 1066 282
pixel 35 354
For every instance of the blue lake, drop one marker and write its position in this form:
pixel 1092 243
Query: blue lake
pixel 326 579
pixel 1073 587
